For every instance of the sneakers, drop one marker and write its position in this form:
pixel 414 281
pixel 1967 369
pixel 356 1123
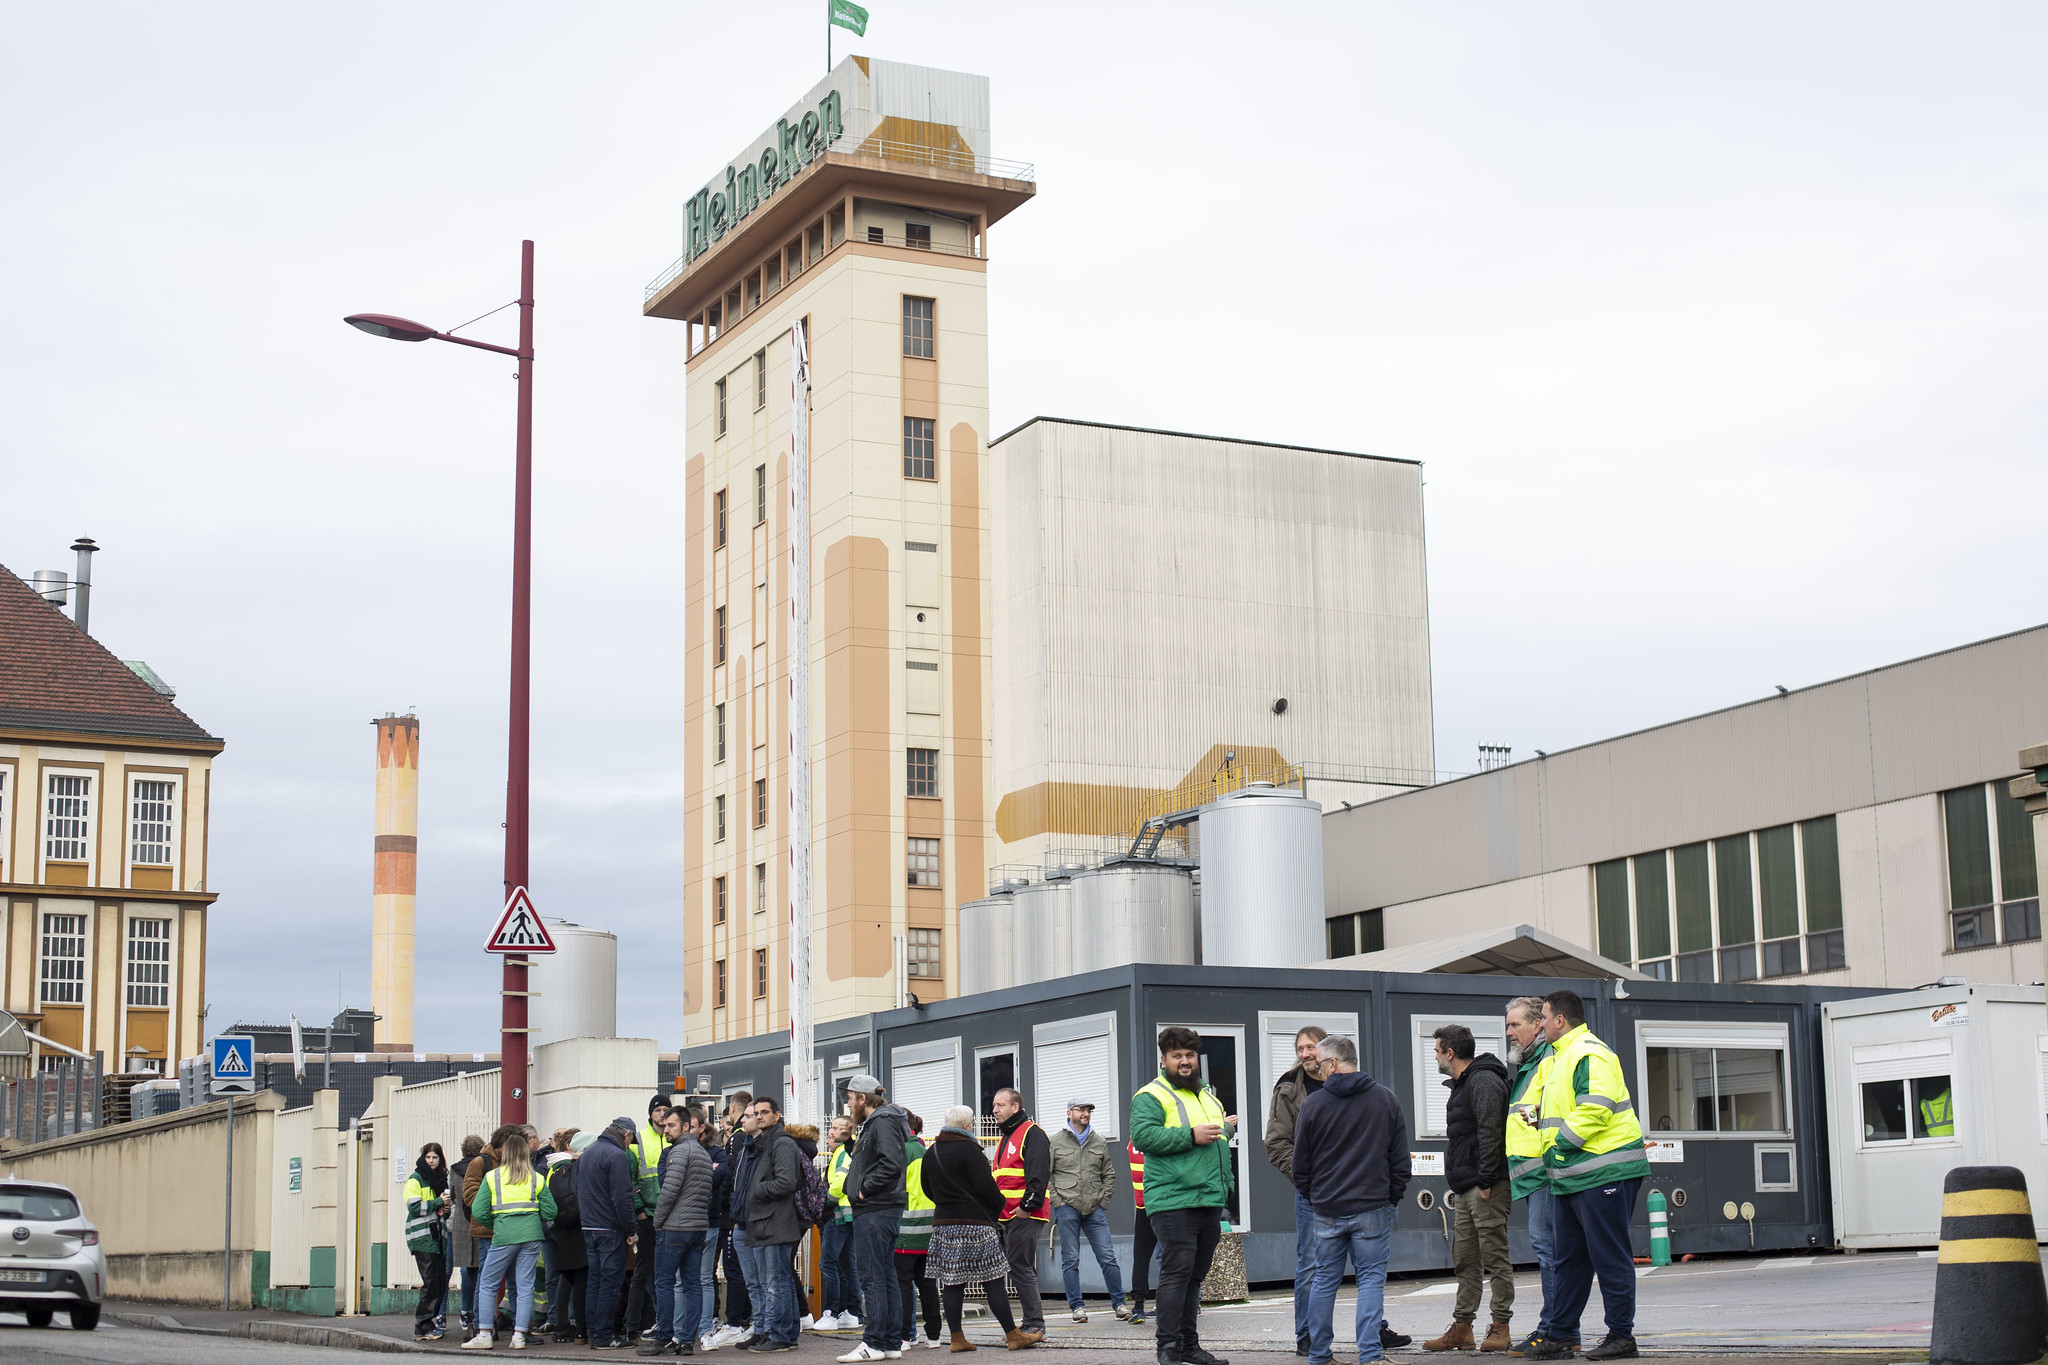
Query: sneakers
pixel 862 1351
pixel 482 1341
pixel 709 1341
pixel 1497 1338
pixel 727 1335
pixel 769 1345
pixel 1614 1346
pixel 849 1322
pixel 933 1343
pixel 519 1341
pixel 1137 1317
pixel 1123 1310
pixel 1301 1347
pixel 1390 1340
pixel 827 1322
pixel 1080 1315
pixel 1542 1349
pixel 807 1325
pixel 652 1348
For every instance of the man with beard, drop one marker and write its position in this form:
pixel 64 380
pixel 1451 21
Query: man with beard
pixel 1180 1126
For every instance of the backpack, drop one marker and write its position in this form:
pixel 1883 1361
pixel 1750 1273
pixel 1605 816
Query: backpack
pixel 813 1204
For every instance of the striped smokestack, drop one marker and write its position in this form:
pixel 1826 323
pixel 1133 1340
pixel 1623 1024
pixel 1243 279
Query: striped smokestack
pixel 391 901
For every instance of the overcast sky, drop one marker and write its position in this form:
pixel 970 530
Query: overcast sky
pixel 1719 329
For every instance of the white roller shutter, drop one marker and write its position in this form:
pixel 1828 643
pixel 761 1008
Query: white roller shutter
pixel 1276 1031
pixel 1075 1059
pixel 925 1079
pixel 1489 1034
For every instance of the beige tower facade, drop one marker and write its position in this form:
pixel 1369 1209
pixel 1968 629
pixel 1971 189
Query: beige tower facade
pixel 395 880
pixel 862 216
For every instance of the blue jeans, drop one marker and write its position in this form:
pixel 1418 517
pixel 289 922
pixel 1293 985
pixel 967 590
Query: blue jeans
pixel 1304 1263
pixel 606 1248
pixel 772 1285
pixel 874 1242
pixel 842 1281
pixel 1095 1226
pixel 708 1286
pixel 513 1261
pixel 678 1297
pixel 1366 1238
pixel 1542 1206
pixel 1590 1230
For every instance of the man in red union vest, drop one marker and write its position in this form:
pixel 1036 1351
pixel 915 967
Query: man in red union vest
pixel 1023 1166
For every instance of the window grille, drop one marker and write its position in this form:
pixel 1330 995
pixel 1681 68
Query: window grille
pixel 925 961
pixel 63 960
pixel 921 772
pixel 920 449
pixel 149 963
pixel 149 821
pixel 67 827
pixel 917 328
pixel 922 860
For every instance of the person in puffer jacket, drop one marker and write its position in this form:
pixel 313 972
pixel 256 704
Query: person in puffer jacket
pixel 682 1226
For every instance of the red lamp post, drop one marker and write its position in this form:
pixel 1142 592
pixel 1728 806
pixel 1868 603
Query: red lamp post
pixel 512 1045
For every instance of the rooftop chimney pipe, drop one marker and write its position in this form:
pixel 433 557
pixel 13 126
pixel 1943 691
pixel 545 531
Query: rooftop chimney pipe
pixel 83 614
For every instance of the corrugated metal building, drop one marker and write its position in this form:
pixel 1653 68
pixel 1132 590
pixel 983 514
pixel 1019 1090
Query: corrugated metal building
pixel 1858 832
pixel 1164 601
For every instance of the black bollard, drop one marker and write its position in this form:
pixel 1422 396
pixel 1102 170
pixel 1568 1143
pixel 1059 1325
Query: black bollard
pixel 1990 1301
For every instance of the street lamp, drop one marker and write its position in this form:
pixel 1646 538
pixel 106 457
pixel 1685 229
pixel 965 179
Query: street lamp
pixel 512 1045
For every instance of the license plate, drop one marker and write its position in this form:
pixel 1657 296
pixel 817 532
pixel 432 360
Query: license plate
pixel 21 1277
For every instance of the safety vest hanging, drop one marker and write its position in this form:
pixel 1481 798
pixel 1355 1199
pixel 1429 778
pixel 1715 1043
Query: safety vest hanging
pixel 1137 1176
pixel 1010 1174
pixel 1938 1115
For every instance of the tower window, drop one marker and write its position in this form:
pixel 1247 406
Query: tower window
pixel 718 732
pixel 760 888
pixel 917 236
pixel 63 960
pixel 149 821
pixel 718 635
pixel 718 982
pixel 760 494
pixel 760 973
pixel 921 860
pixel 718 819
pixel 718 900
pixel 917 327
pixel 760 802
pixel 924 954
pixel 760 380
pixel 718 519
pixel 921 772
pixel 875 235
pixel 720 386
pixel 149 963
pixel 920 449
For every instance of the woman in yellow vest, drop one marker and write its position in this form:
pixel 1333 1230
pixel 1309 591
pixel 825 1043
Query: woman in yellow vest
pixel 513 1201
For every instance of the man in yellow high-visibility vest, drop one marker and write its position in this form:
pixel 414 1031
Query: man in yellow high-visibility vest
pixel 1593 1157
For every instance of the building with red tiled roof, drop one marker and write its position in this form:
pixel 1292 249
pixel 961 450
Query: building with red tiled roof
pixel 103 808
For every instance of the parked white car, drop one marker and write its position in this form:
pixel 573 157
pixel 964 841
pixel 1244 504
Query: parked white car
pixel 50 1255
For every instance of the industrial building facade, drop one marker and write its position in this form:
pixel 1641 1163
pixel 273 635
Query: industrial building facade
pixel 104 787
pixel 1859 832
pixel 1176 614
pixel 861 217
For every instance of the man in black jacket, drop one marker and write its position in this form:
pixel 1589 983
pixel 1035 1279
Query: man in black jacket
pixel 1351 1162
pixel 1476 1167
pixel 875 1192
pixel 773 1226
pixel 604 1198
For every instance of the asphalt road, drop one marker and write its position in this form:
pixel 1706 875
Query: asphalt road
pixel 1787 1309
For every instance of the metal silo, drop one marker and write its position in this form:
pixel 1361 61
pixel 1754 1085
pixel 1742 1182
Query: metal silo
pixel 576 987
pixel 1045 928
pixel 988 948
pixel 1262 879
pixel 1133 912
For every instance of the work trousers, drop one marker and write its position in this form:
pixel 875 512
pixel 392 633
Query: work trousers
pixel 1144 1248
pixel 1021 1240
pixel 835 1265
pixel 1479 1251
pixel 1187 1248
pixel 874 1238
pixel 1592 1237
pixel 606 1250
pixel 1072 1227
pixel 640 1299
pixel 913 1284
pixel 433 1267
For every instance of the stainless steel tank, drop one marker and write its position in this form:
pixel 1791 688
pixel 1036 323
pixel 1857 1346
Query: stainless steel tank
pixel 1262 879
pixel 576 987
pixel 1135 912
pixel 1045 929
pixel 987 944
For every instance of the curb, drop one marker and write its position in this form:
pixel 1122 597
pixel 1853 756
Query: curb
pixel 158 1322
pixel 289 1333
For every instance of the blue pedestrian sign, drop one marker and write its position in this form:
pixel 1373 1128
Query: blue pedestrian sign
pixel 234 1065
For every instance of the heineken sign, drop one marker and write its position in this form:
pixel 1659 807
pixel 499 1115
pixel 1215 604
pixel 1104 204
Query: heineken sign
pixel 717 209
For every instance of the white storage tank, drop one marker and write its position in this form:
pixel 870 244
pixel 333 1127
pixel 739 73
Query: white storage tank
pixel 1262 879
pixel 1045 929
pixel 576 987
pixel 1133 912
pixel 987 944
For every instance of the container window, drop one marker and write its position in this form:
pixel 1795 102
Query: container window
pixel 1431 1097
pixel 1709 1079
pixel 1776 1169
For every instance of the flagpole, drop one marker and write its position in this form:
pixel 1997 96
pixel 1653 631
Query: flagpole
pixel 828 37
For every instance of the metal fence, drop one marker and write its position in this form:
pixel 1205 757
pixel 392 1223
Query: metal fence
pixel 59 1101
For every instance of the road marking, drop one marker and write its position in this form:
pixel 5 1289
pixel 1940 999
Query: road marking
pixel 1643 1270
pixel 1432 1289
pixel 1786 1265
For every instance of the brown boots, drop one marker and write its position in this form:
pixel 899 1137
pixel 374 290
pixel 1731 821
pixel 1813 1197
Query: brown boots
pixel 1017 1339
pixel 1497 1338
pixel 1456 1337
pixel 961 1343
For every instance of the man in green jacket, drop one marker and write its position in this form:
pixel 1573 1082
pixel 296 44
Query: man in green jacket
pixel 1180 1126
pixel 1083 1181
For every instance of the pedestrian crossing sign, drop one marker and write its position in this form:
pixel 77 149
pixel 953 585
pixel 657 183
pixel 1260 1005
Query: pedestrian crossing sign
pixel 234 1065
pixel 519 928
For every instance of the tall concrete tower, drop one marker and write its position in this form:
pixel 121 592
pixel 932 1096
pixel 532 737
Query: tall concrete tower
pixel 862 214
pixel 395 880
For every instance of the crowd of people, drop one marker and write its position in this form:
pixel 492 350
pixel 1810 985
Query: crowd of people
pixel 617 1238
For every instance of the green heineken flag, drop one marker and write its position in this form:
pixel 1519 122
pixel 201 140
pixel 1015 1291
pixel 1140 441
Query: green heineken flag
pixel 846 14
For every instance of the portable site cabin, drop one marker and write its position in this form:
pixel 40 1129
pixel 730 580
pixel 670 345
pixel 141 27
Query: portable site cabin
pixel 1920 1082
pixel 1735 1071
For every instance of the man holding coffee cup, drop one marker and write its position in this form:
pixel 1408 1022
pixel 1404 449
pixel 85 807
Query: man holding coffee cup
pixel 1180 1126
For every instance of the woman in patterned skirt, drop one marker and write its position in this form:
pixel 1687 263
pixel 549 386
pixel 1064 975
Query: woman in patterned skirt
pixel 964 1246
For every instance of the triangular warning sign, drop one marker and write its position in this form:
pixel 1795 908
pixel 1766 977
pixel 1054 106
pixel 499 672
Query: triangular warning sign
pixel 519 929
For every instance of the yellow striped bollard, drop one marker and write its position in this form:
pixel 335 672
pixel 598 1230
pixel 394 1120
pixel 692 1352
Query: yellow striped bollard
pixel 1990 1301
